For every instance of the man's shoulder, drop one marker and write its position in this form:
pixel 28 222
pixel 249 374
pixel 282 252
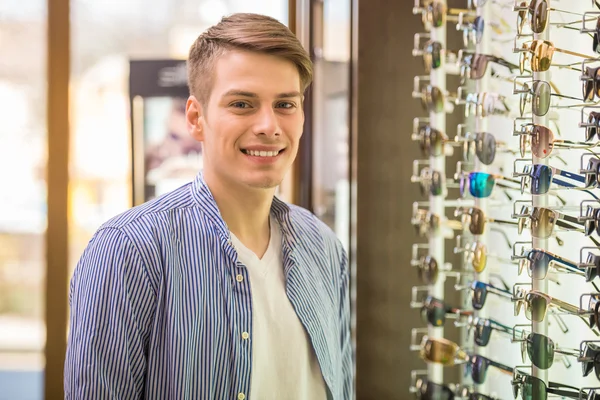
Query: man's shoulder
pixel 150 213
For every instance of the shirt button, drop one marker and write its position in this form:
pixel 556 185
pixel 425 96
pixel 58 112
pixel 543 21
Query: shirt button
pixel 245 335
pixel 239 278
pixel 241 396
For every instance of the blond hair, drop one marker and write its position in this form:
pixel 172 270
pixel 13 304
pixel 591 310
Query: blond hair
pixel 243 31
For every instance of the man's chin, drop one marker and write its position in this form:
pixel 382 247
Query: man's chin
pixel 264 182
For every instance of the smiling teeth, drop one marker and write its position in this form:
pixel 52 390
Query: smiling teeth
pixel 262 153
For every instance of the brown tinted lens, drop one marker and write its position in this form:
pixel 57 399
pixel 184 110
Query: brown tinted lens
pixel 588 84
pixel 477 224
pixel 438 351
pixel 542 57
pixel 436 141
pixel 542 140
pixel 540 102
pixel 428 270
pixel 478 66
pixel 590 131
pixel 542 223
pixel 523 144
pixel 438 13
pixel 538 11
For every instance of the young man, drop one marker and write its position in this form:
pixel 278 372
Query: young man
pixel 218 290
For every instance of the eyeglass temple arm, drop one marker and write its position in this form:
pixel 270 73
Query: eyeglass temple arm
pixel 563 393
pixel 565 306
pixel 502 367
pixel 574 53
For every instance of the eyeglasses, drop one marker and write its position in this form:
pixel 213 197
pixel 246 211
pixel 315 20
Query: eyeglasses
pixel 542 141
pixel 442 351
pixel 538 262
pixel 478 366
pixel 483 327
pixel 426 222
pixel 541 176
pixel 537 303
pixel 475 219
pixel 434 311
pixel 431 141
pixel 592 221
pixel 542 221
pixel 475 64
pixel 541 52
pixel 480 291
pixel 541 349
pixel 484 104
pixel 541 94
pixel 532 388
pixel 480 184
pixel 434 13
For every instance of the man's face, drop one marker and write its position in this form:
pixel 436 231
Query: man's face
pixel 251 124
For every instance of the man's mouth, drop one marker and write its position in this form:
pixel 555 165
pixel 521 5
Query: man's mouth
pixel 261 153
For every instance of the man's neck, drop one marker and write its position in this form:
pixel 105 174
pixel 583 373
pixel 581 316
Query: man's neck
pixel 244 210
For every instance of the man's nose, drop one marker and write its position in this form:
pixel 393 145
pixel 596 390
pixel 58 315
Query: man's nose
pixel 267 123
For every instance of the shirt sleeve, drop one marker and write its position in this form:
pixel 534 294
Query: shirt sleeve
pixel 345 336
pixel 112 307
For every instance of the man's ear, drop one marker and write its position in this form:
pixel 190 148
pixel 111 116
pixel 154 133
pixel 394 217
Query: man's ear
pixel 194 118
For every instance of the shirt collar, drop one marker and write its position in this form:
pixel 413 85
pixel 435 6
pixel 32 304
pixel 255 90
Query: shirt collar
pixel 203 196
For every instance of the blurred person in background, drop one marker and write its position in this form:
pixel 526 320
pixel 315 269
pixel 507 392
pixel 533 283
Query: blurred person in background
pixel 218 289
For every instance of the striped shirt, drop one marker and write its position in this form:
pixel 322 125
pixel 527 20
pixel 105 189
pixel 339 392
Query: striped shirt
pixel 159 302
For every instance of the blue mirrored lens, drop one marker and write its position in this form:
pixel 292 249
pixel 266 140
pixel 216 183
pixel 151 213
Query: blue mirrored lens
pixel 481 184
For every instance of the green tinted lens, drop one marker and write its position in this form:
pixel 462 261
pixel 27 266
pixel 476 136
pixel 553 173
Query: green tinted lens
pixel 540 349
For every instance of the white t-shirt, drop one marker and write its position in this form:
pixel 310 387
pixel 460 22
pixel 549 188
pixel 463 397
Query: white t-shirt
pixel 284 364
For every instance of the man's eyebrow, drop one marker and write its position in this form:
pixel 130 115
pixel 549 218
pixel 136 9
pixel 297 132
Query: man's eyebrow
pixel 243 93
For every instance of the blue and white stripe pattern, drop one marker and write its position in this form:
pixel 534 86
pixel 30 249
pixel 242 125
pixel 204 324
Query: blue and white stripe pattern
pixel 159 301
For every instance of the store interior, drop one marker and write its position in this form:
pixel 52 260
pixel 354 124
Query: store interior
pixel 450 144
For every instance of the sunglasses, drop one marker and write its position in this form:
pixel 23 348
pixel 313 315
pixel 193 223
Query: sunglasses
pixel 482 329
pixel 540 52
pixel 434 311
pixel 474 65
pixel 480 291
pixel 593 123
pixel 435 13
pixel 478 367
pixel 541 349
pixel 475 219
pixel 538 262
pixel 542 221
pixel 428 269
pixel 431 141
pixel 592 221
pixel 432 55
pixel 483 145
pixel 533 388
pixel 594 310
pixel 431 182
pixel 537 304
pixel 541 94
pixel 480 184
pixel 542 141
pixel 538 15
pixel 433 100
pixel 592 172
pixel 473 31
pixel 427 390
pixel 442 351
pixel 590 86
pixel 591 359
pixel 541 176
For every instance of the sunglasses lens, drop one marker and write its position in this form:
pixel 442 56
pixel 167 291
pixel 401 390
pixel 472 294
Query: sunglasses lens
pixel 438 352
pixel 485 147
pixel 542 139
pixel 592 271
pixel 538 10
pixel 435 315
pixel 436 183
pixel 590 131
pixel 479 26
pixel 534 388
pixel 437 100
pixel 483 332
pixel 438 13
pixel 479 295
pixel 481 184
pixel 479 258
pixel 478 66
pixel 541 98
pixel 478 369
pixel 538 266
pixel 477 224
pixel 540 349
pixel 542 223
pixel 428 270
pixel 537 308
pixel 433 391
pixel 541 176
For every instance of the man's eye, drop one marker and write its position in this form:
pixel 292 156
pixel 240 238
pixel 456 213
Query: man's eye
pixel 240 104
pixel 286 105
